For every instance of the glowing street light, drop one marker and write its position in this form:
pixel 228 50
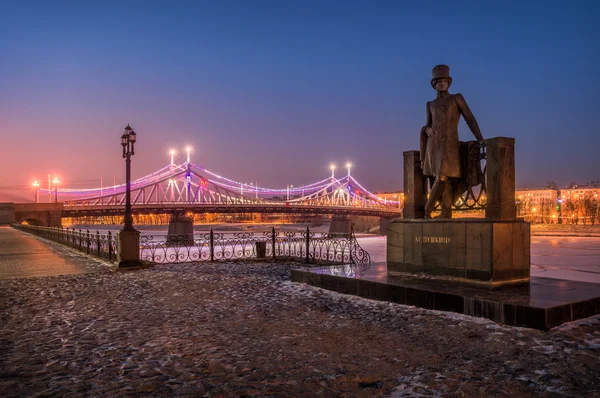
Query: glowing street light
pixel 128 246
pixel 188 150
pixel 348 166
pixel 55 181
pixel 128 140
pixel 36 186
pixel 172 152
pixel 332 167
pixel 288 191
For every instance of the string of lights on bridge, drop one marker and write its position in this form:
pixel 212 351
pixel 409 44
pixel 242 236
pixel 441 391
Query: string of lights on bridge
pixel 348 182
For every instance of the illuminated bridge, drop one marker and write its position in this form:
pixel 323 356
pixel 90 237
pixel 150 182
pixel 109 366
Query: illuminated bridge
pixel 189 188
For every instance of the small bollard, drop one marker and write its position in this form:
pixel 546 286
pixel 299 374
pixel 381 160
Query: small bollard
pixel 261 249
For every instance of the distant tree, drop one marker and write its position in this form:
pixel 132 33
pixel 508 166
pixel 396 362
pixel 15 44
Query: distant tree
pixel 520 207
pixel 551 185
pixel 590 207
pixel 572 184
pixel 569 208
pixel 546 206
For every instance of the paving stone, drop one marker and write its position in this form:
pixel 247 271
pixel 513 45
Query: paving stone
pixel 233 329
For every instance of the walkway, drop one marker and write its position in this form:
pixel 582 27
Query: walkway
pixel 25 256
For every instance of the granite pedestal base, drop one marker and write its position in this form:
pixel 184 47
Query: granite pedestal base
pixel 474 251
pixel 541 304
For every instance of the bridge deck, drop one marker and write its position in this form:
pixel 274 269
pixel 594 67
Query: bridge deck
pixel 91 210
pixel 25 256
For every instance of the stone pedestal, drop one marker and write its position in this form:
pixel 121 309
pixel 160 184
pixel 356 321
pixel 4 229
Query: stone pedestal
pixel 415 188
pixel 500 181
pixel 181 230
pixel 482 252
pixel 340 225
pixel 383 224
pixel 128 249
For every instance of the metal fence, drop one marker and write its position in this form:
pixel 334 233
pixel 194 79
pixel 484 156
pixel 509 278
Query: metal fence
pixel 305 246
pixel 96 244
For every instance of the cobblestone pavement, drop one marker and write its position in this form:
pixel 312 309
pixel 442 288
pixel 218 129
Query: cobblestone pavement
pixel 24 256
pixel 245 330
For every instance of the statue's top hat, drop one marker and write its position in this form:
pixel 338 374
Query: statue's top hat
pixel 440 72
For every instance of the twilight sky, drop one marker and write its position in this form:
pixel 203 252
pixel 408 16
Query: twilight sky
pixel 273 91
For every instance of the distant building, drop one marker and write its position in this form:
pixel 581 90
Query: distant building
pixel 579 191
pixel 538 204
pixel 550 205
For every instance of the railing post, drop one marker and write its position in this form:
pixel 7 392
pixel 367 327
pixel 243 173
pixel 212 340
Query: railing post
pixel 88 242
pixel 273 241
pixel 98 243
pixel 307 244
pixel 80 237
pixel 110 250
pixel 212 245
pixel 352 241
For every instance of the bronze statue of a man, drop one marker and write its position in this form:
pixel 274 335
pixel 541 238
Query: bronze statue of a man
pixel 440 148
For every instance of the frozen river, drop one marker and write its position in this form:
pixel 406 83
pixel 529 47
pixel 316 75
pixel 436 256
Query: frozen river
pixel 574 258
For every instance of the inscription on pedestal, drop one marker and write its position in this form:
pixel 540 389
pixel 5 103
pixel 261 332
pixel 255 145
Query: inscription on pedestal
pixel 433 239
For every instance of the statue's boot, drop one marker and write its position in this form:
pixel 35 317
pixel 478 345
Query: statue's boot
pixel 436 193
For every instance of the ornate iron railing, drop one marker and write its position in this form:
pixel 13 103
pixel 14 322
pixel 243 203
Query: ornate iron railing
pixel 308 247
pixel 96 244
pixel 305 246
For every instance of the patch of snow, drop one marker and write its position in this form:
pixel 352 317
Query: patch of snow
pixel 591 321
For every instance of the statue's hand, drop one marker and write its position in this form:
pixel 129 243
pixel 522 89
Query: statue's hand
pixel 422 165
pixel 430 132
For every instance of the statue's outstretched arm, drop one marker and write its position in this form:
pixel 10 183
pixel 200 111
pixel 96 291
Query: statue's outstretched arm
pixel 469 118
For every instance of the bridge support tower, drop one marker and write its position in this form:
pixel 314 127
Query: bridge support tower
pixel 181 229
pixel 340 225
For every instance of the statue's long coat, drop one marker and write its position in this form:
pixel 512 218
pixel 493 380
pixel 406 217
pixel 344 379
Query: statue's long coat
pixel 441 153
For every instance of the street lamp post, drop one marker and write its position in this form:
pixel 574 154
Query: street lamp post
pixel 128 242
pixel 332 167
pixel 128 142
pixel 36 186
pixel 55 181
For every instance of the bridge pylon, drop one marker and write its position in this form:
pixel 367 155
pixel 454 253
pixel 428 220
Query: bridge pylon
pixel 181 229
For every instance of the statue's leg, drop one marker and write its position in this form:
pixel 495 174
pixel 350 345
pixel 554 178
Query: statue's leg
pixel 436 194
pixel 447 202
